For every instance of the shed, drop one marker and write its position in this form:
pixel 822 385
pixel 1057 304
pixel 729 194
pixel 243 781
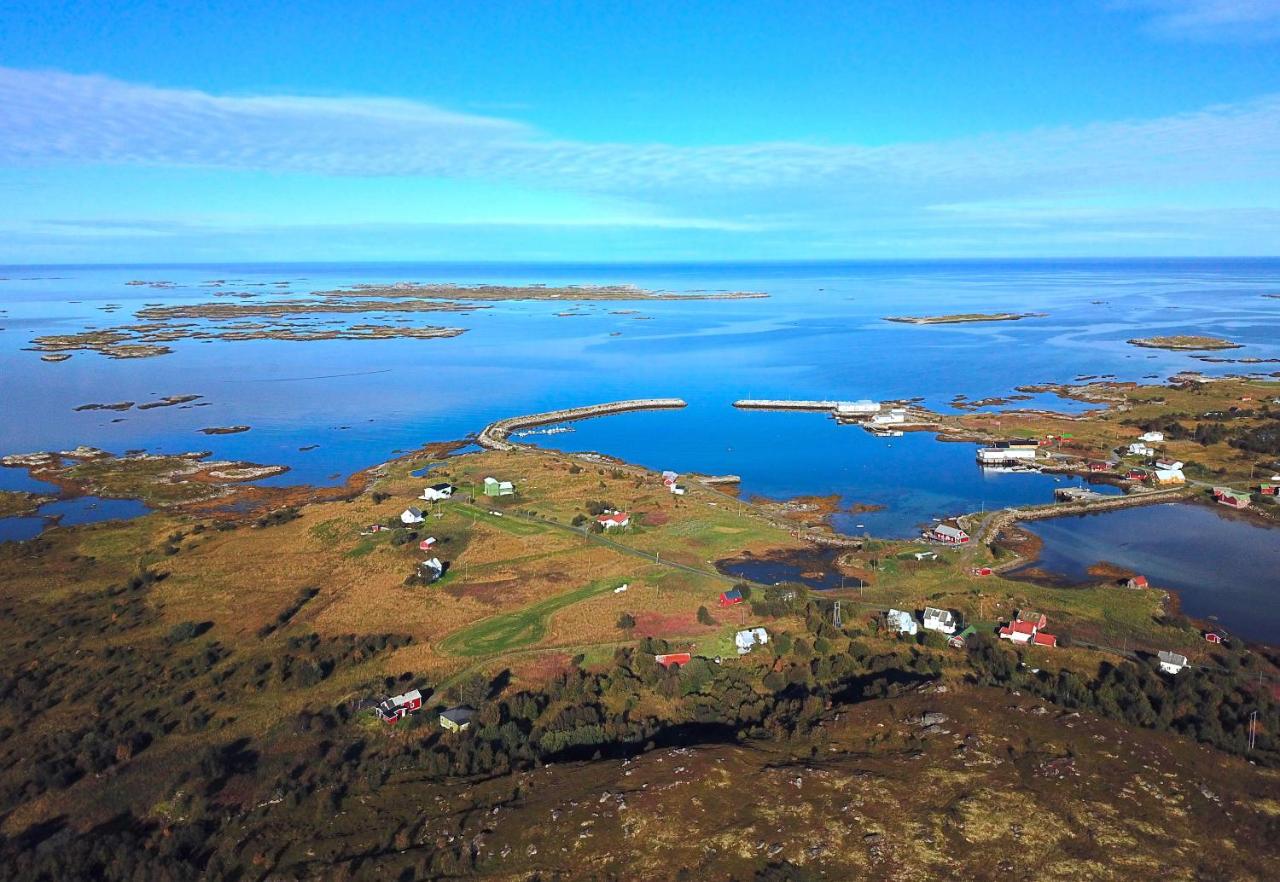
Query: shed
pixel 957 641
pixel 494 487
pixel 1152 437
pixel 425 544
pixel 731 597
pixel 673 659
pixel 1217 637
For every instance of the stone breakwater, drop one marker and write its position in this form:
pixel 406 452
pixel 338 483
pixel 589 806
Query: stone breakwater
pixel 991 528
pixel 495 435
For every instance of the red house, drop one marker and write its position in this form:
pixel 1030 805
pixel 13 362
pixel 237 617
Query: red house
pixel 1138 582
pixel 1215 637
pixel 1096 466
pixel 397 707
pixel 614 519
pixel 673 659
pixel 731 597
pixel 1043 639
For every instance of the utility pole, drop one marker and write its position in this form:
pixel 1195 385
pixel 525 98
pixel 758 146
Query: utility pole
pixel 835 616
pixel 1253 729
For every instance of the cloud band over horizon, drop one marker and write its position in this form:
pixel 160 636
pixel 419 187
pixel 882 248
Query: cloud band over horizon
pixel 1119 178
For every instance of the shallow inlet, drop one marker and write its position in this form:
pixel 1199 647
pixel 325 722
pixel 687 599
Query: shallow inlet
pixel 70 512
pixel 1220 564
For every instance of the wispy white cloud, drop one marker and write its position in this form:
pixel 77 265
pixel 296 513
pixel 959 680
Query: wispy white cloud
pixel 1249 21
pixel 1001 192
pixel 53 117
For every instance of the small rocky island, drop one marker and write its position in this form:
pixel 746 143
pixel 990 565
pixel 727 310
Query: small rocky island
pixel 963 318
pixel 1184 342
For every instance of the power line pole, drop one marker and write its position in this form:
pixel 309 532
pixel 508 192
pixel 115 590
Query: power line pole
pixel 835 616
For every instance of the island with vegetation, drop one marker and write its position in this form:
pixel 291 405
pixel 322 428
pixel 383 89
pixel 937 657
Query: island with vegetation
pixel 963 318
pixel 1184 341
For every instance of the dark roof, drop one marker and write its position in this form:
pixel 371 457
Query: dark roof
pixel 732 594
pixel 459 715
pixel 445 486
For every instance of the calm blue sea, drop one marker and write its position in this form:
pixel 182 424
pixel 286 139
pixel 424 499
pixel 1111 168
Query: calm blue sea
pixel 820 334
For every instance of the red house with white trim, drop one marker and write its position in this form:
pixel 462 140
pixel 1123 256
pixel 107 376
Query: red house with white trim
pixel 397 707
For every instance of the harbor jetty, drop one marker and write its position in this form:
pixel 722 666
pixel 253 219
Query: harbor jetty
pixel 785 404
pixel 989 528
pixel 495 436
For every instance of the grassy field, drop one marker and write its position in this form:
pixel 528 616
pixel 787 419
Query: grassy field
pixel 518 628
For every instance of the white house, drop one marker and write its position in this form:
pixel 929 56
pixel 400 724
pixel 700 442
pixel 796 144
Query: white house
pixel 747 640
pixel 1137 448
pixel 1152 437
pixel 614 520
pixel 1169 464
pixel 939 620
pixel 437 492
pixel 677 489
pixel 411 516
pixel 1171 662
pixel 1170 476
pixel 902 622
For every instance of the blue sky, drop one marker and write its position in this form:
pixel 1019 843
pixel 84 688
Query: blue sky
pixel 626 131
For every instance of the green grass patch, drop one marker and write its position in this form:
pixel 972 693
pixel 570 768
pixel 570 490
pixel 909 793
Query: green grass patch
pixel 522 627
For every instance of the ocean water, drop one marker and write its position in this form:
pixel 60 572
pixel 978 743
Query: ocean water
pixel 1220 564
pixel 820 334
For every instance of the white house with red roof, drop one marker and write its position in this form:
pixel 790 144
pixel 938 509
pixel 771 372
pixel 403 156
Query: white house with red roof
pixel 614 520
pixel 1026 628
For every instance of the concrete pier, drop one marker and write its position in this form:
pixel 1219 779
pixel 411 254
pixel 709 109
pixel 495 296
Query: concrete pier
pixel 784 404
pixel 495 435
